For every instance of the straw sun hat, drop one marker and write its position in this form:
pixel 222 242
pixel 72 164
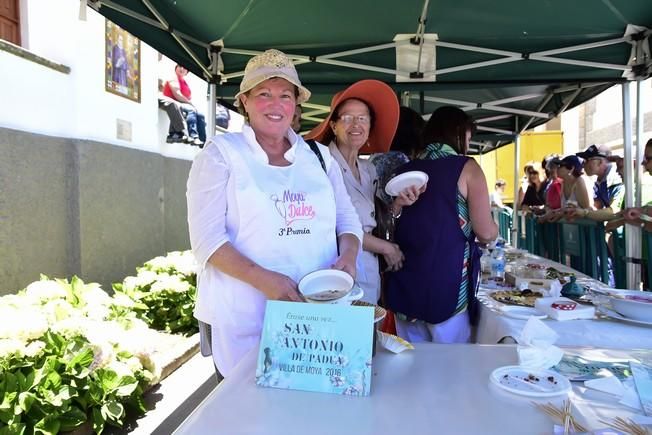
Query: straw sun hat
pixel 384 105
pixel 267 65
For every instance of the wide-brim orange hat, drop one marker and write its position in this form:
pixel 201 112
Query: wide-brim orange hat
pixel 384 105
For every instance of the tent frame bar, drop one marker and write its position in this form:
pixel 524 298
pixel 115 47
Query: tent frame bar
pixel 543 103
pixel 177 38
pixel 514 99
pixel 492 118
pixel 495 130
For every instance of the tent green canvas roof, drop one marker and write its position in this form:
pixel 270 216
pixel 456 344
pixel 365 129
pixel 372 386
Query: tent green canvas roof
pixel 511 64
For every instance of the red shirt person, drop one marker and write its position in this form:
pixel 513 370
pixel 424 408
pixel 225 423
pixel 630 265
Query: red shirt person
pixel 179 90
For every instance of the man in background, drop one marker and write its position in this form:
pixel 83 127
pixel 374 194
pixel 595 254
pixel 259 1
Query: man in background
pixel 177 131
pixel 608 190
pixel 178 90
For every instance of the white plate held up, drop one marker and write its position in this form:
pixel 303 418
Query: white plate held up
pixel 407 179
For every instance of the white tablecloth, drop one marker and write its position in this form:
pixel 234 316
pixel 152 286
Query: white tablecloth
pixel 432 389
pixel 603 332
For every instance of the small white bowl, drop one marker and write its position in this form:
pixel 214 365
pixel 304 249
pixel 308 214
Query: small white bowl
pixel 633 304
pixel 327 286
pixel 355 294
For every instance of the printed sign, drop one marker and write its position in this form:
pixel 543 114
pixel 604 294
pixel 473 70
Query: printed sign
pixel 316 347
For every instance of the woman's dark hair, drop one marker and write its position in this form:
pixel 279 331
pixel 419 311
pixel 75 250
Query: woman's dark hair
pixel 449 125
pixel 577 173
pixel 408 133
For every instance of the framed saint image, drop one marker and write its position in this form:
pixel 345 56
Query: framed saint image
pixel 122 62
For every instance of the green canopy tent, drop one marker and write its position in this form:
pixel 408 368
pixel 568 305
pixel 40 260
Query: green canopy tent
pixel 512 64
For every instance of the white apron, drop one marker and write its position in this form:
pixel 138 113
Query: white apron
pixel 286 224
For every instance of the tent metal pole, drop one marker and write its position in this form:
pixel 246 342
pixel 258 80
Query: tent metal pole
pixel 327 61
pixel 541 106
pixel 582 47
pixel 514 99
pixel 599 65
pixel 363 50
pixel 492 118
pixel 125 11
pixel 469 105
pixel 568 102
pixel 177 38
pixel 128 12
pixel 495 130
pixel 632 234
pixel 543 115
pixel 212 89
pixel 578 86
pixel 443 100
pixel 326 109
pixel 314 112
pixel 516 217
pixel 640 146
pixel 478 64
pixel 479 49
pixel 405 99
pixel 421 29
pixel 212 101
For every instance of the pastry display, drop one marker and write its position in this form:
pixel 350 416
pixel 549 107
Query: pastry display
pixel 524 298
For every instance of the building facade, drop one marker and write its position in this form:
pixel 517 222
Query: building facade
pixel 88 185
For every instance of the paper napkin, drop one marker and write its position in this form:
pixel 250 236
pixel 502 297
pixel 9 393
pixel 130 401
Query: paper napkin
pixel 535 346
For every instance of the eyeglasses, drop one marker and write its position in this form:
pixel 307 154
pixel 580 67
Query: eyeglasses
pixel 360 119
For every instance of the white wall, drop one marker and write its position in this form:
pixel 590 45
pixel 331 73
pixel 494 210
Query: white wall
pixel 42 100
pixel 608 109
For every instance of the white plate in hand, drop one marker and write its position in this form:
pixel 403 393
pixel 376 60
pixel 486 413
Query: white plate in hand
pixel 533 383
pixel 402 181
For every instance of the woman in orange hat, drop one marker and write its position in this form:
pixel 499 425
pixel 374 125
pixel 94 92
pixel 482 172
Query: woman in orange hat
pixel 363 120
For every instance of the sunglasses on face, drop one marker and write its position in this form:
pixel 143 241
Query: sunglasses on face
pixel 533 173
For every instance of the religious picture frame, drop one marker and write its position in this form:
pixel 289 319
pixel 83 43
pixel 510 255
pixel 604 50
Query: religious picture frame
pixel 122 62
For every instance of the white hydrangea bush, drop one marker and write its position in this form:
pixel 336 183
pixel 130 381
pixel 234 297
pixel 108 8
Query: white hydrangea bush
pixel 163 292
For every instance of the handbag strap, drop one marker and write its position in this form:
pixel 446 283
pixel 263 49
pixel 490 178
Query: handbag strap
pixel 315 149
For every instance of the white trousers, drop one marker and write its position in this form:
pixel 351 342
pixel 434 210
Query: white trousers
pixel 457 329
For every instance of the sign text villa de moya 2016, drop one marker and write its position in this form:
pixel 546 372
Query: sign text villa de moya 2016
pixel 316 347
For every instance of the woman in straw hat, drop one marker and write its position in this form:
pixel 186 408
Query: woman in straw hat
pixel 433 295
pixel 363 119
pixel 263 211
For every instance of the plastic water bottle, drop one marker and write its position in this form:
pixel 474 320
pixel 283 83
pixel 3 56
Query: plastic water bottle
pixel 485 261
pixel 498 262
